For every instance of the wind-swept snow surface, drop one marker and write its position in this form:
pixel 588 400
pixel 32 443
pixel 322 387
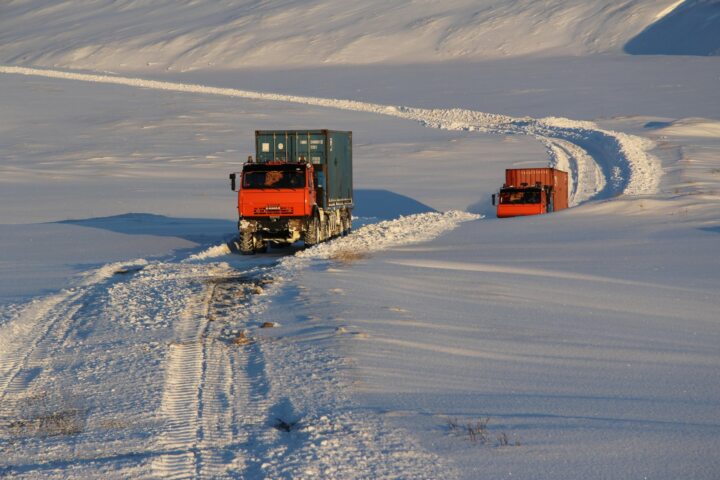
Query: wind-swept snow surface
pixel 134 35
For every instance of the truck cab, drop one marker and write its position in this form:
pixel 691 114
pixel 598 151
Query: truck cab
pixel 276 190
pixel 273 201
pixel 521 201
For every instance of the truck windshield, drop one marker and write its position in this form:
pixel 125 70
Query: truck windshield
pixel 519 196
pixel 274 179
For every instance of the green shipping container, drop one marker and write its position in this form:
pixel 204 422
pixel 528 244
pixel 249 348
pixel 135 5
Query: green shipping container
pixel 329 151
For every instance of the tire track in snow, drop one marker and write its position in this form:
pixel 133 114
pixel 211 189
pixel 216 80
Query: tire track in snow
pixel 342 444
pixel 41 321
pixel 180 404
pixel 234 394
pixel 584 174
pixel 212 409
pixel 217 397
pixel 213 394
pixel 623 159
pixel 21 336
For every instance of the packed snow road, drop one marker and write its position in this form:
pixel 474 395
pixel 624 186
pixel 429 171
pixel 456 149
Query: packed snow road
pixel 160 368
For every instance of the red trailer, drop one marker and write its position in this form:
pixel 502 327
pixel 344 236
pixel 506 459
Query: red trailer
pixel 532 191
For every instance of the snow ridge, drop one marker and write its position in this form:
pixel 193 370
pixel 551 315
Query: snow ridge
pixel 379 236
pixel 626 164
pixel 669 9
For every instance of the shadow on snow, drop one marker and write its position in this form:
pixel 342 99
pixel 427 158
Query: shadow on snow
pixel 369 203
pixel 693 28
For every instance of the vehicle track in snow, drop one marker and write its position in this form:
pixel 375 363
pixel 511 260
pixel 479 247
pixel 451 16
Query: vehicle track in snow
pixel 215 390
pixel 220 403
pixel 41 325
pixel 211 404
pixel 602 163
pixel 21 337
pixel 198 401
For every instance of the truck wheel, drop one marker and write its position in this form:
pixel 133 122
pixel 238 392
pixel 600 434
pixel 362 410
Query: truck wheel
pixel 346 225
pixel 247 243
pixel 263 247
pixel 312 234
pixel 337 227
pixel 325 231
pixel 330 227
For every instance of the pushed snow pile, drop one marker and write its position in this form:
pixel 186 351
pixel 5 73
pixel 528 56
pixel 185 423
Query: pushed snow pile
pixel 92 277
pixel 421 227
pixel 692 27
pixel 211 252
pixel 125 35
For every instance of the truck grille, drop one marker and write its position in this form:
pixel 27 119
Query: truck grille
pixel 273 210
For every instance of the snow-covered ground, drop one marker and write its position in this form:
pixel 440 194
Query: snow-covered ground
pixel 429 343
pixel 197 35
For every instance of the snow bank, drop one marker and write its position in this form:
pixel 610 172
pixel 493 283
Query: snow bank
pixel 211 252
pixel 417 228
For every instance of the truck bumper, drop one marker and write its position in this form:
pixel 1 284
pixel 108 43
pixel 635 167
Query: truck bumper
pixel 276 229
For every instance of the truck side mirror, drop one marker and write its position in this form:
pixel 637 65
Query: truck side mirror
pixel 493 199
pixel 232 181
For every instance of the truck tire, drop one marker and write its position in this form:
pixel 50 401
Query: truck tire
pixel 329 228
pixel 325 229
pixel 263 248
pixel 337 228
pixel 247 242
pixel 346 225
pixel 313 232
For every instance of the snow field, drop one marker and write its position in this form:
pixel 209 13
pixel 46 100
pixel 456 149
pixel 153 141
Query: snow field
pixel 132 35
pixel 589 335
pixel 554 347
pixel 332 438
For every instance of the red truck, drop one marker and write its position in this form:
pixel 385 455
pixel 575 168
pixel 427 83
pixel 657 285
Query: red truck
pixel 299 186
pixel 532 191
